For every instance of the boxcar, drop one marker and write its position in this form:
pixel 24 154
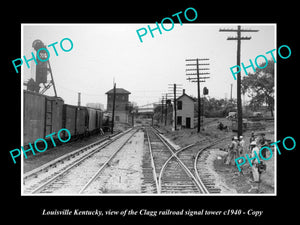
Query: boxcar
pixel 81 120
pixel 75 119
pixel 94 120
pixel 69 115
pixel 99 118
pixel 42 116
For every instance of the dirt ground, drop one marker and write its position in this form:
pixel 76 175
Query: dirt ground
pixel 242 182
pixel 229 174
pixel 124 173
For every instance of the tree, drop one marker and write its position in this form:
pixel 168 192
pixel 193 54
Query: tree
pixel 216 107
pixel 157 113
pixel 259 86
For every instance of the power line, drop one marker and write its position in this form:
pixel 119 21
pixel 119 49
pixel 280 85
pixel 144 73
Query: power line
pixel 239 38
pixel 173 88
pixel 198 79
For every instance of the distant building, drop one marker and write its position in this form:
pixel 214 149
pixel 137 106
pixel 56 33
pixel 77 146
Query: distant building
pixel 122 104
pixel 95 105
pixel 185 111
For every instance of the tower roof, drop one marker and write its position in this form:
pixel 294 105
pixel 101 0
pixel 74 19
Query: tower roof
pixel 118 91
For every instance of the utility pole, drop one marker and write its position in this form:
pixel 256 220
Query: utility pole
pixel 173 89
pixel 205 92
pixel 175 107
pixel 231 92
pixel 197 79
pixel 132 117
pixel 239 38
pixel 79 98
pixel 162 110
pixel 113 110
pixel 166 110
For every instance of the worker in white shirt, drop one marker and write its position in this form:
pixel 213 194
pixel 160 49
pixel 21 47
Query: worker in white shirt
pixel 255 162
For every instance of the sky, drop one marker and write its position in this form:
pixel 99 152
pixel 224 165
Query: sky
pixel 103 53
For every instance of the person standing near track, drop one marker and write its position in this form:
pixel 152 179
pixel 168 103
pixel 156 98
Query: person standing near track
pixel 232 152
pixel 229 150
pixel 252 138
pixel 235 150
pixel 254 162
pixel 241 146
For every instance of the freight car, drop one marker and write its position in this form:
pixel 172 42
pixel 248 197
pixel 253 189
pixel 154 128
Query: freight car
pixel 44 115
pixel 95 117
pixel 75 119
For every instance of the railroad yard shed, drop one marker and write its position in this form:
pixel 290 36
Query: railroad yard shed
pixel 185 111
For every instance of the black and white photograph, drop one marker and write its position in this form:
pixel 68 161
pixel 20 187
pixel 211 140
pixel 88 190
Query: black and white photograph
pixel 160 116
pixel 176 113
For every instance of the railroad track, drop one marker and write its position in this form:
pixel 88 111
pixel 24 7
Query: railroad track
pixel 96 184
pixel 170 174
pixel 73 173
pixel 184 172
pixel 166 170
pixel 200 167
pixel 156 155
pixel 67 157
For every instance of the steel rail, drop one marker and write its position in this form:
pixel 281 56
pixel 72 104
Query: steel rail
pixel 153 163
pixel 106 162
pixel 77 162
pixel 196 161
pixel 53 162
pixel 174 154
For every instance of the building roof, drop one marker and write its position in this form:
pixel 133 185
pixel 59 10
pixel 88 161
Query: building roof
pixel 184 94
pixel 118 91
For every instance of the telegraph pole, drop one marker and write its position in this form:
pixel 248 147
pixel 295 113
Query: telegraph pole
pixel 174 88
pixel 197 79
pixel 162 110
pixel 79 98
pixel 175 108
pixel 166 110
pixel 239 38
pixel 113 110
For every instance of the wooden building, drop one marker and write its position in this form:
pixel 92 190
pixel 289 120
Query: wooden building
pixel 185 111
